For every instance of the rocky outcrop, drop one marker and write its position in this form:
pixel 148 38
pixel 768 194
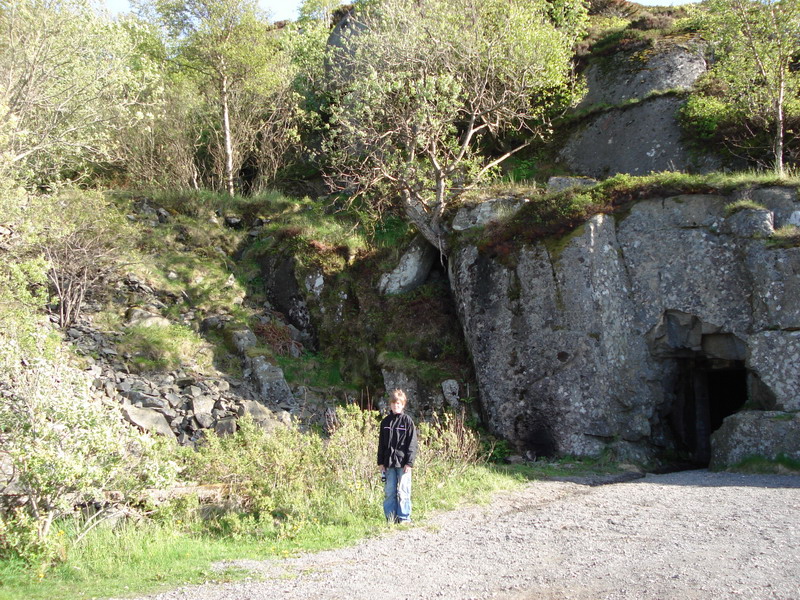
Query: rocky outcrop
pixel 639 334
pixel 634 128
pixel 640 139
pixel 625 76
pixel 766 435
pixel 411 271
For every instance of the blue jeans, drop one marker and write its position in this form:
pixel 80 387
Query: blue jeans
pixel 397 492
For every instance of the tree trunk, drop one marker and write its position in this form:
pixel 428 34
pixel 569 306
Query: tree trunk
pixel 226 132
pixel 779 128
pixel 426 224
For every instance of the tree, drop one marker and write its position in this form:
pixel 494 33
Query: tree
pixel 757 52
pixel 67 86
pixel 422 88
pixel 240 63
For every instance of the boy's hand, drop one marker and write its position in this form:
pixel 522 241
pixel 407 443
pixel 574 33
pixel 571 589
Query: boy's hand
pixel 407 468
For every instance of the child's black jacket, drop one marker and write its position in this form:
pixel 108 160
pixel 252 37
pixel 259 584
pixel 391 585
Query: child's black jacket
pixel 397 444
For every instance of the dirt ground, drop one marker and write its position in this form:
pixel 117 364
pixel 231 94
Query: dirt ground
pixel 685 535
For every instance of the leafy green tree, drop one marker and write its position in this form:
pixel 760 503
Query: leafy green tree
pixel 757 52
pixel 422 89
pixel 59 446
pixel 319 10
pixel 68 85
pixel 239 62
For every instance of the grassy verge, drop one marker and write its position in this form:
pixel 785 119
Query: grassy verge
pixel 144 557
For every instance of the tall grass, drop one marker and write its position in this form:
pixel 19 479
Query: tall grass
pixel 283 492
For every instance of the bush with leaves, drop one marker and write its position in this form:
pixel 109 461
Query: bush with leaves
pixel 61 448
pixel 84 241
pixel 285 477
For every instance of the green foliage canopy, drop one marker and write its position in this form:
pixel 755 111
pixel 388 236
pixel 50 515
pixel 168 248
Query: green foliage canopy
pixel 422 89
pixel 757 49
pixel 71 80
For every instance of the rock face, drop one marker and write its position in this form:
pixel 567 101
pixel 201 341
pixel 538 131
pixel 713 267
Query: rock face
pixel 637 140
pixel 763 434
pixel 636 130
pixel 635 75
pixel 639 335
pixel 411 271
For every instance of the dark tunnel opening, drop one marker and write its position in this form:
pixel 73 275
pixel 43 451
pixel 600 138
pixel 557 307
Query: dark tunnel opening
pixel 708 390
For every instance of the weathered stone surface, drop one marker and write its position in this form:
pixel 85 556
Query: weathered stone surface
pixel 243 339
pixel 557 184
pixel 491 210
pixel 635 75
pixel 451 393
pixel 203 404
pixel 423 399
pixel 763 434
pixel 750 223
pixel 270 382
pixel 148 419
pixel 781 201
pixel 411 271
pixel 776 286
pixel 142 318
pixel 588 342
pixel 258 411
pixel 226 426
pixel 281 282
pixel 204 420
pixel 775 356
pixel 639 139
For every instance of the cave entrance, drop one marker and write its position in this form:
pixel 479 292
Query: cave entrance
pixel 706 380
pixel 708 390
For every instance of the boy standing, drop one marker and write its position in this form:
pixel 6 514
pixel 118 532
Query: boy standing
pixel 397 448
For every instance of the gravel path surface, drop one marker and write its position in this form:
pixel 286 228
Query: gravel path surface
pixel 686 535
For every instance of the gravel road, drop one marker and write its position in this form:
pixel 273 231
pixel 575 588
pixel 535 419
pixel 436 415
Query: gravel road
pixel 686 535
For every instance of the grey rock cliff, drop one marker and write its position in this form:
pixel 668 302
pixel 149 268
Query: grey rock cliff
pixel 636 130
pixel 639 335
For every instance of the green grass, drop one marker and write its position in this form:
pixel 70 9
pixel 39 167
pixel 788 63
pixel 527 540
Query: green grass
pixel 557 214
pixel 145 557
pixel 744 204
pixel 787 236
pixel 781 465
pixel 165 348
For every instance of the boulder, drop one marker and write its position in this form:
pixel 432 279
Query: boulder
pixel 270 383
pixel 242 339
pixel 226 426
pixel 148 419
pixel 625 76
pixel 487 211
pixel 756 434
pixel 411 271
pixel 138 317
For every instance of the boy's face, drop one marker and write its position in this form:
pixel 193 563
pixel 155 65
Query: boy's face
pixel 396 406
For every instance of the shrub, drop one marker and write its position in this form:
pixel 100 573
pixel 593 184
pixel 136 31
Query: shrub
pixel 649 21
pixel 63 447
pixel 702 116
pixel 613 8
pixel 281 479
pixel 84 241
